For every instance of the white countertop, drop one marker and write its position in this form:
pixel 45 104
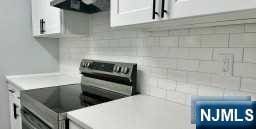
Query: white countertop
pixel 136 112
pixel 35 81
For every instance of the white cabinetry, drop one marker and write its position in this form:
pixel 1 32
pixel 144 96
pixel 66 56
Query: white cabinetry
pixel 187 8
pixel 14 107
pixel 128 12
pixel 48 21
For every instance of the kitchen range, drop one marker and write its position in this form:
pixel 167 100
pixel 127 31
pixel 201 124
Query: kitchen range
pixel 124 64
pixel 101 81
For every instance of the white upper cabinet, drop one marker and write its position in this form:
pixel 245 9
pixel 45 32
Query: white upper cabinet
pixel 187 8
pixel 127 12
pixel 48 21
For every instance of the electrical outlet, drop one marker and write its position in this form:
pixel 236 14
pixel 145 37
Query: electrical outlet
pixel 228 64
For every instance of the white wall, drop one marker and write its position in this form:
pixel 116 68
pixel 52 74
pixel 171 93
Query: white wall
pixel 20 53
pixel 173 64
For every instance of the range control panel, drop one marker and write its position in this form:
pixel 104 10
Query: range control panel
pixel 115 68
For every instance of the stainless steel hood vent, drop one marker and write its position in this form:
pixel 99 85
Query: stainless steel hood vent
pixel 86 6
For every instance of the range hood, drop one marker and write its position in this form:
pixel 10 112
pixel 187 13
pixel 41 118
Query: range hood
pixel 86 6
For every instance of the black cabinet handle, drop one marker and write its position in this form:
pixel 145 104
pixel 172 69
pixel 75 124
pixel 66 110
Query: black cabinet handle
pixel 154 10
pixel 163 11
pixel 15 114
pixel 42 26
pixel 11 91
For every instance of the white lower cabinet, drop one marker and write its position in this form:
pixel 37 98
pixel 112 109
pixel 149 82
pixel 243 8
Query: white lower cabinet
pixel 72 125
pixel 14 107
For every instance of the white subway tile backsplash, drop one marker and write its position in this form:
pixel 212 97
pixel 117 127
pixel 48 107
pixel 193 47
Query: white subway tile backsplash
pixel 190 41
pixel 226 82
pixel 179 32
pixel 124 34
pixel 114 43
pixel 159 33
pixel 230 29
pixel 191 53
pixel 250 55
pixel 158 72
pixel 210 67
pixel 239 93
pixel 176 97
pixel 161 93
pixel 199 78
pixel 172 64
pixel 169 41
pixel 187 88
pixel 250 27
pixel 159 52
pixel 178 52
pixel 210 91
pixel 237 52
pixel 127 42
pixel 245 70
pixel 214 40
pixel 200 53
pixel 243 40
pixel 177 75
pixel 202 30
pixel 249 85
pixel 151 42
pixel 159 62
pixel 153 52
pixel 188 65
pixel 167 84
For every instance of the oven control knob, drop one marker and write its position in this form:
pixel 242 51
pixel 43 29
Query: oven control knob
pixel 122 69
pixel 118 69
pixel 88 64
pixel 83 64
pixel 126 70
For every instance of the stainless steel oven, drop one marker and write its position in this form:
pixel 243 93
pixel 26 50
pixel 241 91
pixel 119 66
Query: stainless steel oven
pixel 31 121
pixel 101 81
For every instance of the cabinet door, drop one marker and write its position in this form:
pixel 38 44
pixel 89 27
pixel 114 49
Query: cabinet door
pixel 15 114
pixel 127 12
pixel 52 19
pixel 37 15
pixel 187 8
pixel 41 10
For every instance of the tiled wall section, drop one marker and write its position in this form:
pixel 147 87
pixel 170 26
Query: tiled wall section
pixel 173 64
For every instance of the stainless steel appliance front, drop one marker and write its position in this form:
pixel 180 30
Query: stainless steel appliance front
pixel 101 81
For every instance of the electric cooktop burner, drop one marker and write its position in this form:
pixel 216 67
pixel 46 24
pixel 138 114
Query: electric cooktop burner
pixel 65 98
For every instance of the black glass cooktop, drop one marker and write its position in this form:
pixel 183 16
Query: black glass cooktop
pixel 65 98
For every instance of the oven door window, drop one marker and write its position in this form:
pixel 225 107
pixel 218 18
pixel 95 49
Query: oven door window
pixel 30 121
